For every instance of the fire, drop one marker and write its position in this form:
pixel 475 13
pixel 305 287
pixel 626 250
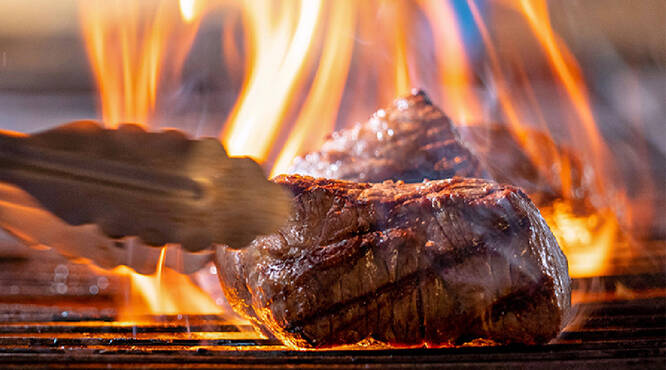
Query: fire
pixel 587 240
pixel 308 67
pixel 456 77
pixel 132 45
pixel 162 293
pixel 187 9
pixel 279 40
pixel 326 92
pixel 135 48
pixel 568 72
pixel 588 228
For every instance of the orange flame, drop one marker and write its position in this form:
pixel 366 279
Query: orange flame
pixel 166 292
pixel 587 240
pixel 128 43
pixel 588 230
pixel 279 39
pixel 302 59
pixel 456 77
pixel 400 48
pixel 566 69
pixel 326 92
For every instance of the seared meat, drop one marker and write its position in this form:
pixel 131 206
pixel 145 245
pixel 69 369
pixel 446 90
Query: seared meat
pixel 410 141
pixel 437 263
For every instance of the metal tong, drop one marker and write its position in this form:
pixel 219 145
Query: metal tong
pixel 159 186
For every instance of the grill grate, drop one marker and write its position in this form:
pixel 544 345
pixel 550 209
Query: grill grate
pixel 618 333
pixel 623 325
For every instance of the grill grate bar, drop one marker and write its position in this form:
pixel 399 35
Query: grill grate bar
pixel 620 325
pixel 619 333
pixel 105 329
pixel 634 353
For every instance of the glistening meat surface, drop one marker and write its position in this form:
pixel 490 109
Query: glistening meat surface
pixel 410 140
pixel 437 263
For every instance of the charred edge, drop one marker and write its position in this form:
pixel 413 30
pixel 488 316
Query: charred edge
pixel 360 244
pixel 353 258
pixel 524 300
pixel 453 187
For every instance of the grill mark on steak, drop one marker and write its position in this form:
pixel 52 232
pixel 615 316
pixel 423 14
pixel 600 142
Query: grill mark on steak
pixel 405 284
pixel 512 302
pixel 322 260
pixel 402 285
pixel 361 248
pixel 441 229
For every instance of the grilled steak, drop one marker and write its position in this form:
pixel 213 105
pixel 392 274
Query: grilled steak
pixel 410 141
pixel 436 263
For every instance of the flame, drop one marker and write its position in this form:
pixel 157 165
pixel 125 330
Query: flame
pixel 588 237
pixel 587 227
pixel 586 240
pixel 538 154
pixel 128 43
pixel 456 77
pixel 308 67
pixel 402 78
pixel 135 48
pixel 285 64
pixel 382 67
pixel 166 292
pixel 279 40
pixel 326 92
pixel 187 10
pixel 568 72
pixel 148 295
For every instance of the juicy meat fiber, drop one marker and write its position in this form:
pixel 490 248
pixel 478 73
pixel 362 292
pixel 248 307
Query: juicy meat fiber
pixel 437 263
pixel 410 140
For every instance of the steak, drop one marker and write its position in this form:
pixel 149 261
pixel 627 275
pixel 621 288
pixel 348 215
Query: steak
pixel 410 140
pixel 437 263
